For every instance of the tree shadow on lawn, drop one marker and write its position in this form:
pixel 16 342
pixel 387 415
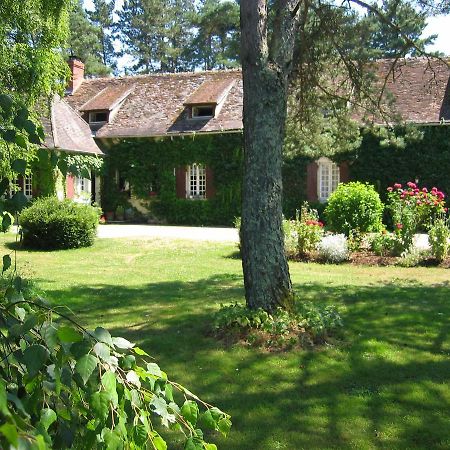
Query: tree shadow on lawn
pixel 385 385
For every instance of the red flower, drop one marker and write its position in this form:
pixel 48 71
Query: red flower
pixel 424 190
pixel 397 186
pixel 320 224
pixel 399 226
pixel 411 184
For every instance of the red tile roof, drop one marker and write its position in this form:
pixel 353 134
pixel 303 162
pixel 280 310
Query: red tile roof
pixel 157 104
pixel 66 130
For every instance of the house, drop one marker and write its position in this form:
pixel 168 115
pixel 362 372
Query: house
pixel 174 141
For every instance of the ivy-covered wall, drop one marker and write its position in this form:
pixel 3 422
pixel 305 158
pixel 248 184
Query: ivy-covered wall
pixel 426 160
pixel 148 165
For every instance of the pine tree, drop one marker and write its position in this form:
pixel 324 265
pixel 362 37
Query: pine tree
pixel 84 42
pixel 102 19
pixel 217 41
pixel 157 34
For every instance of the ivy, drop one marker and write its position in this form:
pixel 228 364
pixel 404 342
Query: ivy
pixel 149 164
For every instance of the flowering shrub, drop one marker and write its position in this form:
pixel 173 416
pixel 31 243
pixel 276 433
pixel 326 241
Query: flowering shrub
pixel 309 230
pixel 412 207
pixel 354 207
pixel 438 237
pixel 334 248
pixel 386 244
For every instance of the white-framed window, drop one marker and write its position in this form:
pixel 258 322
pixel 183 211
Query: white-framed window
pixel 83 188
pixel 327 178
pixel 202 112
pixel 28 186
pixel 196 181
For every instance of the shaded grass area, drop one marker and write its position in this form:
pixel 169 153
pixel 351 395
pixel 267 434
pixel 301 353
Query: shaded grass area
pixel 384 384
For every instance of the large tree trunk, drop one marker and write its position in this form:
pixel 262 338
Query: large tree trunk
pixel 266 272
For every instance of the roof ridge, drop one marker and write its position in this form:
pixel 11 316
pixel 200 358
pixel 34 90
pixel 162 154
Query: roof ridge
pixel 163 74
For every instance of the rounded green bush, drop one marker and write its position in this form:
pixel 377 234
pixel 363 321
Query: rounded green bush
pixel 53 224
pixel 354 207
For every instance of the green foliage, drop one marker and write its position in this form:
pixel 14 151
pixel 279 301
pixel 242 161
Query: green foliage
pixel 149 166
pixel 354 206
pixel 438 237
pixel 386 244
pixel 84 41
pixel 63 386
pixel 309 230
pixel 52 224
pixel 426 160
pixel 308 323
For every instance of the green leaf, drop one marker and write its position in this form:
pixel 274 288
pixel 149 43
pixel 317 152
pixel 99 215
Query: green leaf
pixel 49 334
pixel 133 378
pixel 19 201
pixel 35 357
pixel 189 411
pixel 120 342
pixel 191 444
pixel 210 446
pixel 110 385
pixel 10 432
pixel 4 184
pixel 29 126
pixel 48 416
pixel 140 435
pixel 43 155
pixel 85 366
pixel 21 141
pixel 3 402
pixel 224 426
pixel 19 166
pixel 53 159
pixel 112 439
pixel 6 263
pixel 208 420
pixel 100 405
pixel 103 335
pixel 6 222
pixel 9 135
pixel 140 352
pixel 154 369
pixel 69 335
pixel 6 103
pixel 102 351
pixel 159 443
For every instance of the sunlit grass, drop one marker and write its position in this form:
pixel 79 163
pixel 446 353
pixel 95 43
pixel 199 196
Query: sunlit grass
pixel 385 384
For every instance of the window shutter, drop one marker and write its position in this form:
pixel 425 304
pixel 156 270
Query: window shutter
pixel 311 182
pixel 180 182
pixel 210 189
pixel 70 187
pixel 344 170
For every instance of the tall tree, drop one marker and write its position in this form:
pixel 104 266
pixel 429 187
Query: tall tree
pixel 157 34
pixel 303 40
pixel 84 41
pixel 217 41
pixel 102 18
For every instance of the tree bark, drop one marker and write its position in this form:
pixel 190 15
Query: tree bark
pixel 265 70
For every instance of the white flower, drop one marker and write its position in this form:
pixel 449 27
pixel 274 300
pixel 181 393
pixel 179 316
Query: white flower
pixel 334 248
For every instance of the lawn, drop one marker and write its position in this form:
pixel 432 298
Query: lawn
pixel 384 384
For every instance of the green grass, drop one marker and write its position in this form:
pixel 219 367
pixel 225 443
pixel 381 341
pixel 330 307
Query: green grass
pixel 384 385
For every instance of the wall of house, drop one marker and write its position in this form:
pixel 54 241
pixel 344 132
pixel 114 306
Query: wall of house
pixel 156 173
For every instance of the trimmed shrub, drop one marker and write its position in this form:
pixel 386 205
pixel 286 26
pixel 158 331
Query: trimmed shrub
pixel 354 207
pixel 52 224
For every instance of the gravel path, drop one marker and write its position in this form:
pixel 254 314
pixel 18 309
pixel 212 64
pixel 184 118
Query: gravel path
pixel 156 231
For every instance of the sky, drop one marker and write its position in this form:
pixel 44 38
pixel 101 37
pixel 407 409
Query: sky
pixel 439 25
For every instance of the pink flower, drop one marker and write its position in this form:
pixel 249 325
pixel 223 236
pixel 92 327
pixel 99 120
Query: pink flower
pixel 399 226
pixel 320 224
pixel 397 186
pixel 411 184
pixel 424 190
pixel 390 189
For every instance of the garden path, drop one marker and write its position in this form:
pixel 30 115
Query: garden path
pixel 173 232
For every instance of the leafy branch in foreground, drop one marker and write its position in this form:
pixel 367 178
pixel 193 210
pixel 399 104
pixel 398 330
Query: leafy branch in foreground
pixel 62 386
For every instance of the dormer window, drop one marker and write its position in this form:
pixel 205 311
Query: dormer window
pixel 97 119
pixel 203 111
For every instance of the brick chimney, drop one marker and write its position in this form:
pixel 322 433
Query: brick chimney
pixel 77 71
